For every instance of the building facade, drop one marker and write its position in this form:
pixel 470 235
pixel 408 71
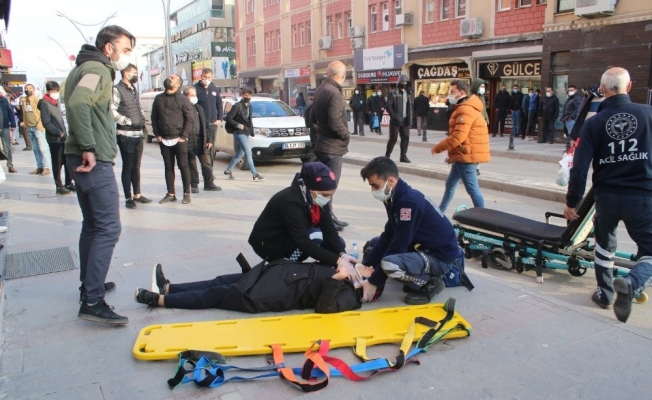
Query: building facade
pixel 203 37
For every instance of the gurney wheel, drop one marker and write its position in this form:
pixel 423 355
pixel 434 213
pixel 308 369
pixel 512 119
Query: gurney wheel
pixel 498 257
pixel 485 259
pixel 641 298
pixel 577 270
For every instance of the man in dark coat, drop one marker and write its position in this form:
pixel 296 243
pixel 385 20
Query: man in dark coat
pixel 376 107
pixel 502 102
pixel 357 104
pixel 200 144
pixel 549 111
pixel 421 108
pixel 399 108
pixel 333 136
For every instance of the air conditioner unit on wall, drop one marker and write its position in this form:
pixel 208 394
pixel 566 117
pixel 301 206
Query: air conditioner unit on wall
pixel 404 19
pixel 325 43
pixel 471 27
pixel 357 43
pixel 595 8
pixel 356 31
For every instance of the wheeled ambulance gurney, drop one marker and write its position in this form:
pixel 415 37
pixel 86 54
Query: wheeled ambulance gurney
pixel 507 241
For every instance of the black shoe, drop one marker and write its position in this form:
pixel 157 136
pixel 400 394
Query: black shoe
pixel 229 174
pixel 108 287
pixel 168 199
pixel 130 203
pixel 407 289
pixel 424 140
pixel 338 222
pixel 142 199
pixel 258 178
pixel 624 296
pixel 494 135
pixel 144 296
pixel 354 134
pixel 362 134
pixel 158 280
pixel 338 228
pixel 501 135
pixel 423 296
pixel 405 160
pixel 71 187
pixel 194 189
pixel 186 199
pixel 212 188
pixel 598 299
pixel 101 312
pixel 62 190
pixel 27 149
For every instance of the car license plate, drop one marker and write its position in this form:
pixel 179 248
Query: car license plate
pixel 298 145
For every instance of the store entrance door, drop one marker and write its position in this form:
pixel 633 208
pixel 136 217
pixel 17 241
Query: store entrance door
pixel 495 84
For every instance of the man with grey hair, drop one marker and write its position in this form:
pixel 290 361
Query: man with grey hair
pixel 619 142
pixel 329 116
pixel 200 144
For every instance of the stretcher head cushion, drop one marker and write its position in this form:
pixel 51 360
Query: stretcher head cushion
pixel 504 223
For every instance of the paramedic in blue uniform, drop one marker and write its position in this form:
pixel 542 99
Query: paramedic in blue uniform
pixel 618 140
pixel 418 246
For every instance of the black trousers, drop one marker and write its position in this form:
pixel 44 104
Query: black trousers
pixel 502 116
pixel 532 119
pixel 200 295
pixel 213 133
pixel 548 129
pixel 131 152
pixel 332 161
pixel 394 132
pixel 358 122
pixel 59 162
pixel 204 163
pixel 179 152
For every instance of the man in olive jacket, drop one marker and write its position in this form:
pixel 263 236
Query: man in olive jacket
pixel 328 112
pixel 90 150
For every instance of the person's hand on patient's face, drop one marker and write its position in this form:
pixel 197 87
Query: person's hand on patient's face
pixel 341 274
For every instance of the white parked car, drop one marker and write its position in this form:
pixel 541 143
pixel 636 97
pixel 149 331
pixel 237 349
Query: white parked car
pixel 146 101
pixel 278 132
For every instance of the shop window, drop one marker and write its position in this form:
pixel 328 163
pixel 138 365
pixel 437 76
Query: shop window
pixel 445 9
pixel 374 18
pixel 430 11
pixel 503 5
pixel 565 5
pixel 460 8
pixel 340 27
pixel 397 11
pixel 349 23
pixel 329 26
pixel 308 33
pixel 524 3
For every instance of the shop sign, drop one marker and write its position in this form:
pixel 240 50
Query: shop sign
pixel 224 68
pixel 198 66
pixel 514 68
pixel 387 57
pixel 5 59
pixel 443 71
pixel 201 26
pixel 223 49
pixel 297 72
pixel 381 76
pixel 185 57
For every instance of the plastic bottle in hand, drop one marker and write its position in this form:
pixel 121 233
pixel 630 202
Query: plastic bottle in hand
pixel 354 250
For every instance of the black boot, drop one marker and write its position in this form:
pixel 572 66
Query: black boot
pixel 338 222
pixel 605 290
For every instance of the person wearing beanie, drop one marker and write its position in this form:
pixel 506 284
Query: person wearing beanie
pixel 296 222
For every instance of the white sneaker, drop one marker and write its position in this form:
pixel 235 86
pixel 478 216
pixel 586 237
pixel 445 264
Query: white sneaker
pixel 3 229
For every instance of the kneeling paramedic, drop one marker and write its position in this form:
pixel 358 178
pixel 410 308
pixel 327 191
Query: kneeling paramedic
pixel 296 222
pixel 418 247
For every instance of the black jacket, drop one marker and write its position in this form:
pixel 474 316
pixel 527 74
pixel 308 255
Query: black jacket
pixel 301 101
pixel 285 285
pixel 618 141
pixel 421 105
pixel 395 106
pixel 237 116
pixel 516 101
pixel 172 116
pixel 52 119
pixel 333 134
pixel 376 104
pixel 8 117
pixel 572 107
pixel 357 102
pixel 199 135
pixel 502 100
pixel 549 107
pixel 210 100
pixel 287 218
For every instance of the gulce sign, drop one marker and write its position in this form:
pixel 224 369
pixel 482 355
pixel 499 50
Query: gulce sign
pixel 515 68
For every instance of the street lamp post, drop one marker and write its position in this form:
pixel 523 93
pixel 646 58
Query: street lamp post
pixel 75 23
pixel 62 49
pixel 168 49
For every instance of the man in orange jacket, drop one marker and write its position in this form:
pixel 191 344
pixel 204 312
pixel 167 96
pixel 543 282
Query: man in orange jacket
pixel 467 144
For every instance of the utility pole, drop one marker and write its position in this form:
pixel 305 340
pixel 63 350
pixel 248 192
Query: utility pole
pixel 168 48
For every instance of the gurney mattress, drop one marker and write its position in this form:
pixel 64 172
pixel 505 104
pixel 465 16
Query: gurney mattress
pixel 504 223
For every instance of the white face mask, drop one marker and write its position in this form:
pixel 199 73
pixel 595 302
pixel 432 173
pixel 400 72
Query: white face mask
pixel 55 96
pixel 481 91
pixel 357 92
pixel 206 82
pixel 571 93
pixel 548 94
pixel 379 93
pixel 381 195
pixel 320 200
pixel 122 62
pixel 193 100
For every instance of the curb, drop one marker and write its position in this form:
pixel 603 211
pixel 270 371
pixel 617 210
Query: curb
pixel 486 180
pixel 494 153
pixel 4 220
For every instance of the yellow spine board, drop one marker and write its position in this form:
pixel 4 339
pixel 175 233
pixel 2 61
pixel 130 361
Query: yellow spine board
pixel 295 333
